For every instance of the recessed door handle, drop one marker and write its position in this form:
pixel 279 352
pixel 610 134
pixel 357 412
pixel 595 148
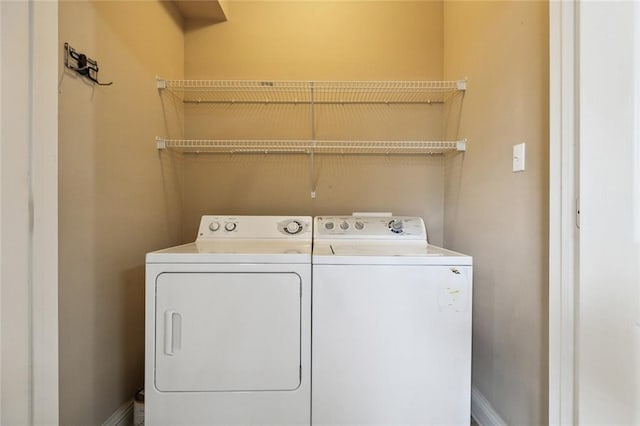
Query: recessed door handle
pixel 172 332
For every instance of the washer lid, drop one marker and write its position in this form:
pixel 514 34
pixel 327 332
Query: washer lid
pixel 385 253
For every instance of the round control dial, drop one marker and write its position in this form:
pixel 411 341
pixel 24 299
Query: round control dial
pixel 329 226
pixel 344 226
pixel 359 225
pixel 396 226
pixel 293 227
pixel 230 226
pixel 214 226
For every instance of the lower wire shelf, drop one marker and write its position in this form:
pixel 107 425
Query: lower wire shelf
pixel 307 147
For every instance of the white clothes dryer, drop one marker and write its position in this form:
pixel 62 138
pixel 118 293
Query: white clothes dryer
pixel 391 326
pixel 228 324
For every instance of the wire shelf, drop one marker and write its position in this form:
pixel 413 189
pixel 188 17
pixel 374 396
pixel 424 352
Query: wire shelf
pixel 311 147
pixel 389 147
pixel 307 92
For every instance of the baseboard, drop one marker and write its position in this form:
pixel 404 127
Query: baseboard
pixel 482 411
pixel 123 416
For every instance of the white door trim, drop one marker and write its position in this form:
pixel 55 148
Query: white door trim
pixel 44 190
pixel 1 202
pixel 563 231
pixel 29 291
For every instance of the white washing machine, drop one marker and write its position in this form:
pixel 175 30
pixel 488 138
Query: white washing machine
pixel 228 324
pixel 391 325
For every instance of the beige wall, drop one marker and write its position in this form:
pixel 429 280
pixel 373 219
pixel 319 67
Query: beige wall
pixel 118 199
pixel 319 40
pixel 286 40
pixel 498 216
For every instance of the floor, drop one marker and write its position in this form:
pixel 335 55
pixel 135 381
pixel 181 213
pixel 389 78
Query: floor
pixel 130 421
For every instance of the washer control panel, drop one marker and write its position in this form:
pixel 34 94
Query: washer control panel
pixel 254 227
pixel 369 227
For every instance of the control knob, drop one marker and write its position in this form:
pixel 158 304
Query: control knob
pixel 328 226
pixel 230 226
pixel 344 226
pixel 293 227
pixel 214 226
pixel 396 226
pixel 359 225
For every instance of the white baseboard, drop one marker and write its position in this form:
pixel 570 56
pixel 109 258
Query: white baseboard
pixel 482 411
pixel 123 416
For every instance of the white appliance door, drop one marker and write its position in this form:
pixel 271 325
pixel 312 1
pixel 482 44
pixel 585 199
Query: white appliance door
pixel 227 331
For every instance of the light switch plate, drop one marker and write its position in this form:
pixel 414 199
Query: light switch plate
pixel 518 157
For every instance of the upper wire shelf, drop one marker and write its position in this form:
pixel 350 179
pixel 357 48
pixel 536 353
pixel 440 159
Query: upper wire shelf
pixel 312 147
pixel 316 92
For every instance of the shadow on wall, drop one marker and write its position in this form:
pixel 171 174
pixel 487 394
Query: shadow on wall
pixel 133 328
pixel 172 175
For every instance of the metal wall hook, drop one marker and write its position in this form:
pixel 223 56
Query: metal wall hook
pixel 82 64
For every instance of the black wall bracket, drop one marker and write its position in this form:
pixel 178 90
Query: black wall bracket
pixel 82 64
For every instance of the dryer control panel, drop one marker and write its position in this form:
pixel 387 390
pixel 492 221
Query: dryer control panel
pixel 370 227
pixel 254 227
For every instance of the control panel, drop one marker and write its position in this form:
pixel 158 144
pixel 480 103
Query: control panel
pixel 254 227
pixel 369 227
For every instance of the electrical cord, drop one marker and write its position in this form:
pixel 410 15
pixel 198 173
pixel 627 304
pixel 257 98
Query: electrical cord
pixel 95 80
pixel 88 69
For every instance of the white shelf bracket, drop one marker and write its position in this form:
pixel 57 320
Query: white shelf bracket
pixel 461 146
pixel 161 143
pixel 160 83
pixel 461 84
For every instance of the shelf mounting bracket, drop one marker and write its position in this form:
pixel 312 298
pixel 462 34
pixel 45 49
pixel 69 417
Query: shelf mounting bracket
pixel 161 143
pixel 161 83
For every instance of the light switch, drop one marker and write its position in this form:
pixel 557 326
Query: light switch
pixel 518 157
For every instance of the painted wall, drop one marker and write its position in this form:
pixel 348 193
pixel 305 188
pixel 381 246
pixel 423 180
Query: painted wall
pixel 118 199
pixel 285 40
pixel 500 217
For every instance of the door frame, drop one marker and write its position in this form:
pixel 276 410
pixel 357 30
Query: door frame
pixel 563 209
pixel 29 395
